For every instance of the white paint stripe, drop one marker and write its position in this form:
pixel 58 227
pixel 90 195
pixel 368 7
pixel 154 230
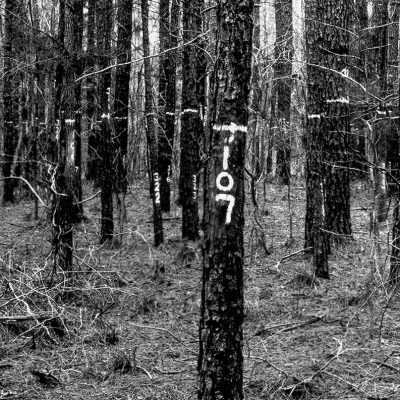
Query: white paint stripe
pixel 190 110
pixel 105 116
pixel 225 159
pixel 69 121
pixel 232 127
pixel 120 118
pixel 314 116
pixel 169 113
pixel 339 100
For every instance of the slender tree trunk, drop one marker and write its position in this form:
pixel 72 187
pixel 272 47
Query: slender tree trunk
pixel 104 27
pixel 93 163
pixel 164 142
pixel 255 99
pixel 377 84
pixel 121 102
pixel 10 101
pixel 221 334
pixel 191 123
pixel 150 132
pixel 283 86
pixel 65 199
pixel 395 144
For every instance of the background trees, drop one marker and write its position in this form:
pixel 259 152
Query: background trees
pixel 85 83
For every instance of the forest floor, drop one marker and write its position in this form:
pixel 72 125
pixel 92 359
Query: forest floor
pixel 127 328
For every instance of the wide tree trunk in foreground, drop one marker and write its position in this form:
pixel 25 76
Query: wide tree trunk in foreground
pixel 221 334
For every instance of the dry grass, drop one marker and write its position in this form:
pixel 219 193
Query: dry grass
pixel 126 328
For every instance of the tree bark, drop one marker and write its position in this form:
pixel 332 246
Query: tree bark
pixel 12 11
pixel 283 86
pixel 93 163
pixel 165 141
pixel 221 334
pixel 121 102
pixel 104 27
pixel 65 199
pixel 327 180
pixel 191 122
pixel 150 131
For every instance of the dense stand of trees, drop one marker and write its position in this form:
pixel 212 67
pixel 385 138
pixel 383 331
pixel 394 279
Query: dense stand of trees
pixel 202 97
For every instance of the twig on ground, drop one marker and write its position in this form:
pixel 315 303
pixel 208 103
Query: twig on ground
pixel 8 318
pixel 295 324
pixel 145 371
pixel 289 256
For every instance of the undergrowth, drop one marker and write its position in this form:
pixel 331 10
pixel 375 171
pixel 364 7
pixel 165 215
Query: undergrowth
pixel 125 323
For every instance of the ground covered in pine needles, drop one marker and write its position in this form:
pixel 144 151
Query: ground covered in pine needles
pixel 127 326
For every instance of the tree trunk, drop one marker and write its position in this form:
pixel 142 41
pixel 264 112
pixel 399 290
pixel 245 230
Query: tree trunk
pixel 104 27
pixel 93 162
pixel 283 86
pixel 165 142
pixel 12 10
pixel 337 122
pixel 255 100
pixel 121 102
pixel 191 123
pixel 394 276
pixel 327 125
pixel 221 334
pixel 150 132
pixel 377 85
pixel 65 199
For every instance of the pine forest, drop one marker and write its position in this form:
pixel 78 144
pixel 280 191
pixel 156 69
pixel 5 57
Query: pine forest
pixel 199 199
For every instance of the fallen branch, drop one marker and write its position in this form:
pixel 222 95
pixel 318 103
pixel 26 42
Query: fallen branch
pixel 291 255
pixel 41 317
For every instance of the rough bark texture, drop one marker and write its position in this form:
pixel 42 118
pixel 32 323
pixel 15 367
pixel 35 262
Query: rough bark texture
pixel 65 208
pixel 221 336
pixel 377 87
pixel 256 142
pixel 164 88
pixel 283 85
pixel 395 146
pixel 150 131
pixel 191 123
pixel 93 163
pixel 327 179
pixel 12 42
pixel 121 102
pixel 104 27
pixel 337 120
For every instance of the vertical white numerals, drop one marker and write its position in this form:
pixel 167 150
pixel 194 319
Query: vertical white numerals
pixel 194 187
pixel 224 180
pixel 156 188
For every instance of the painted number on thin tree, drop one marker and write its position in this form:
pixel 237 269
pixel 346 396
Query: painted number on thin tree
pixel 194 187
pixel 156 188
